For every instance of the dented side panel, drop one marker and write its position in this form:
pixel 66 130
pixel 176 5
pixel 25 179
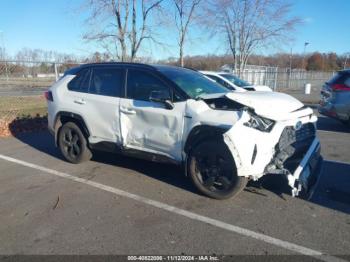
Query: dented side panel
pixel 198 113
pixel 150 127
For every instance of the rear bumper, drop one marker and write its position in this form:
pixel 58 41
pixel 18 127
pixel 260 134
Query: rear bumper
pixel 305 177
pixel 327 111
pixel 334 110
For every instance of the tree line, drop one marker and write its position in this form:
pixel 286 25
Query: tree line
pixel 315 61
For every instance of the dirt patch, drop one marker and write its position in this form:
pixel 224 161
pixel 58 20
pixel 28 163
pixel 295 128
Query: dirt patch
pixel 22 125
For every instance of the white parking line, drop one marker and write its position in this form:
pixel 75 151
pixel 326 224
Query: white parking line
pixel 216 223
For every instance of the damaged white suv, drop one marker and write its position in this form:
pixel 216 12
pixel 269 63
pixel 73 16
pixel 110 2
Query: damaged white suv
pixel 177 115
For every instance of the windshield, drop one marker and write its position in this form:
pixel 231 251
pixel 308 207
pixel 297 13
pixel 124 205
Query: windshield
pixel 235 80
pixel 192 83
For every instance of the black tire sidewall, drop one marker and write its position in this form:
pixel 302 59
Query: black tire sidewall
pixel 240 181
pixel 85 153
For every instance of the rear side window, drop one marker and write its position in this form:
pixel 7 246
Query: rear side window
pixel 347 81
pixel 107 81
pixel 339 78
pixel 80 83
pixel 141 84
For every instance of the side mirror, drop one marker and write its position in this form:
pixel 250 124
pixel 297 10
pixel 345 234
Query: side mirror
pixel 161 97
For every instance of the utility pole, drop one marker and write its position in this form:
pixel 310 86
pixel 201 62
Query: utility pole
pixel 303 63
pixel 2 48
pixel 346 60
pixel 290 66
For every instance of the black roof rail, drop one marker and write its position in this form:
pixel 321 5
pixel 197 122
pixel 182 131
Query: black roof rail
pixel 119 63
pixel 190 68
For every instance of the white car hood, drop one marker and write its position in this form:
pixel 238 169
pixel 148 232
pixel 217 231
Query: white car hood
pixel 273 105
pixel 261 88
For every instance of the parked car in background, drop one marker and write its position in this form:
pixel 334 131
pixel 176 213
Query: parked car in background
pixel 335 97
pixel 233 82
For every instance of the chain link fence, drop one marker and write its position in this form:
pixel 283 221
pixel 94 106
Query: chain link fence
pixel 290 81
pixel 22 84
pixel 281 79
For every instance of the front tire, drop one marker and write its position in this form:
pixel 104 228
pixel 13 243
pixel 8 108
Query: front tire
pixel 73 144
pixel 212 170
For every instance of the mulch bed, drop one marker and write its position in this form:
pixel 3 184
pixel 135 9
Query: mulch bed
pixel 22 125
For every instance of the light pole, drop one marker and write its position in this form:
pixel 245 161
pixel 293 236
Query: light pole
pixel 290 66
pixel 2 45
pixel 2 53
pixel 305 45
pixel 346 60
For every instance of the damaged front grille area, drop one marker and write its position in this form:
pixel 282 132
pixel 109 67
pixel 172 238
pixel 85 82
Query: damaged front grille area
pixel 290 135
pixel 291 148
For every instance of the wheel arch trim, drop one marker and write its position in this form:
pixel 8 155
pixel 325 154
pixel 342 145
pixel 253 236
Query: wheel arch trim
pixel 197 134
pixel 70 115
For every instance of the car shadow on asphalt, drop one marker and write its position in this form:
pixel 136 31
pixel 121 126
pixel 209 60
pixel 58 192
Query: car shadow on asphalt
pixel 333 188
pixel 167 173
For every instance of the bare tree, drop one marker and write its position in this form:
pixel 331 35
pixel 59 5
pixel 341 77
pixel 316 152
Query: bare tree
pixel 121 24
pixel 184 15
pixel 249 25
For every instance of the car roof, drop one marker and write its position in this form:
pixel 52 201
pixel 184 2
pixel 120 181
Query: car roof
pixel 213 72
pixel 155 67
pixel 347 71
pixel 117 64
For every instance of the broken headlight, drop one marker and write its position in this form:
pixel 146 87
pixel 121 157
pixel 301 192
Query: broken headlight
pixel 259 123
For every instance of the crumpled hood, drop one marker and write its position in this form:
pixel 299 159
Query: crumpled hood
pixel 269 104
pixel 261 88
pixel 273 105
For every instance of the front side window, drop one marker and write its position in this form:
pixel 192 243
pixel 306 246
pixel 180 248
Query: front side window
pixel 215 78
pixel 220 81
pixel 80 83
pixel 194 84
pixel 140 84
pixel 107 81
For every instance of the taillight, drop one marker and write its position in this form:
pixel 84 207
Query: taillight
pixel 340 87
pixel 48 96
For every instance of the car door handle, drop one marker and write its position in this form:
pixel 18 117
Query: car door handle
pixel 80 101
pixel 127 111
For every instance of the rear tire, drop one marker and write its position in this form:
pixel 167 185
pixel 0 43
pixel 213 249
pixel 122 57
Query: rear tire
pixel 73 144
pixel 212 170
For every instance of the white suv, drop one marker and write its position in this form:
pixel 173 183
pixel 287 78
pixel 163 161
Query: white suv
pixel 177 115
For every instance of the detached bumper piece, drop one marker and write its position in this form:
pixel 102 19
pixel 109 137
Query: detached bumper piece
pixel 305 177
pixel 298 157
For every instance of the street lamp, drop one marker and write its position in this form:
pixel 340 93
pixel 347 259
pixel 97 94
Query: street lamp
pixel 2 52
pixel 305 45
pixel 2 45
pixel 346 60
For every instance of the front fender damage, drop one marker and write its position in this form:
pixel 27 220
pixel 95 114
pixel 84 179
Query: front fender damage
pixel 251 149
pixel 259 153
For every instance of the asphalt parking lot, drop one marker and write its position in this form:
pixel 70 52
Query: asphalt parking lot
pixel 119 205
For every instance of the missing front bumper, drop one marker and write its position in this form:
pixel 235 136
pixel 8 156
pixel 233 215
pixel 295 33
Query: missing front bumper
pixel 304 179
